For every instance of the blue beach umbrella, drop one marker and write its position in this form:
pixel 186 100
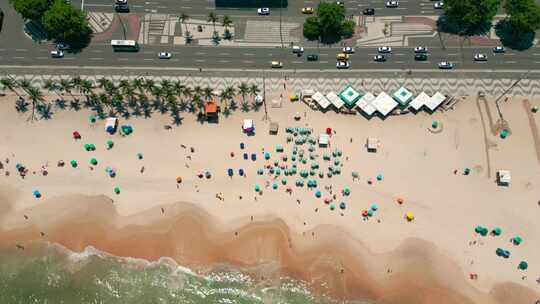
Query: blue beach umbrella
pixel 318 193
pixel 342 205
pixel 241 172
pixel 230 172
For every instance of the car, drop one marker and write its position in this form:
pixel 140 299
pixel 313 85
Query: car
pixel 121 1
pixel 263 11
pixel 420 49
pixel 348 50
pixel 342 57
pixel 164 55
pixel 343 64
pixel 420 57
pixel 499 49
pixel 480 57
pixel 445 65
pixel 307 10
pixel 277 64
pixel 392 3
pixel 121 8
pixel 57 54
pixel 438 5
pixel 296 49
pixel 385 49
pixel 312 57
pixel 369 11
pixel 340 3
pixel 379 58
pixel 62 46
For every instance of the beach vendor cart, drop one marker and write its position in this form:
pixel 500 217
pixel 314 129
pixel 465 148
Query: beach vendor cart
pixel 324 140
pixel 248 126
pixel 372 144
pixel 294 97
pixel 111 124
pixel 274 128
pixel 503 177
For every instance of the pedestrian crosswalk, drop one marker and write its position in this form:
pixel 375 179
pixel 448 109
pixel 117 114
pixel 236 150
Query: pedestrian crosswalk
pixel 157 29
pixel 269 31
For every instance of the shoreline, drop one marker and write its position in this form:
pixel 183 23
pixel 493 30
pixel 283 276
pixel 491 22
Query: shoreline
pixel 326 258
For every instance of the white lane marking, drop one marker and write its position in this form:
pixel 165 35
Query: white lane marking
pixel 200 53
pixel 324 61
pixel 161 7
pixel 18 57
pixel 21 50
pixel 247 61
pixel 209 8
pixel 536 54
pixel 510 54
pixel 69 58
pixel 453 54
pixel 399 54
pixel 185 7
pixel 1 50
pixel 249 54
pixel 199 60
pixel 324 54
pixel 108 5
pixel 97 51
pixel 148 59
pixel 224 54
pixel 96 58
pixel 123 59
pixel 400 62
pixel 174 59
pixel 42 57
pixel 224 61
pixel 509 62
pixel 297 62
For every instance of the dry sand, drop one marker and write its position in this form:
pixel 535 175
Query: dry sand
pixel 430 258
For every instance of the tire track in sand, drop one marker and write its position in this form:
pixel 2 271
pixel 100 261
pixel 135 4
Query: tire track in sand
pixel 534 128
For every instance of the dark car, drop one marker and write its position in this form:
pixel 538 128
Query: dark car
pixel 369 11
pixel 121 8
pixel 313 57
pixel 379 58
pixel 420 57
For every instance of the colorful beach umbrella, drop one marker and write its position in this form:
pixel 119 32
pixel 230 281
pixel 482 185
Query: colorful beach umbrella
pixel 110 144
pixel 523 265
pixel 73 163
pixel 93 161
pixel 332 206
pixel 374 207
pixel 517 240
pixel 497 231
pixel 346 191
pixel 36 194
pixel 257 188
pixel 409 216
pixel 117 190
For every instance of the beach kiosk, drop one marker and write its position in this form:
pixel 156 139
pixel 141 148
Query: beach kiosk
pixel 111 124
pixel 350 96
pixel 403 96
pixel 321 100
pixel 419 101
pixel 503 177
pixel 372 144
pixel 335 100
pixel 248 126
pixel 324 140
pixel 384 104
pixel 435 101
pixel 211 111
pixel 365 104
pixel 274 128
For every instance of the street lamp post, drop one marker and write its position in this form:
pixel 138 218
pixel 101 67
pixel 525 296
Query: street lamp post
pixel 280 32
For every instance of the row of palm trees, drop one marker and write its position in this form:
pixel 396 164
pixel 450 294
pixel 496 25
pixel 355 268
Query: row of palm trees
pixel 138 97
pixel 213 18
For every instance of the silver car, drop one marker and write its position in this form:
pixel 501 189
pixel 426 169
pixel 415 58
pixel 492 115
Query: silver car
pixel 57 54
pixel 392 3
pixel 343 64
pixel 164 55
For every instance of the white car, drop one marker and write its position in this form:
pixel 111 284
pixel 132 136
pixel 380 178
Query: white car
pixel 445 65
pixel 385 49
pixel 392 3
pixel 348 50
pixel 379 58
pixel 420 49
pixel 121 1
pixel 499 49
pixel 438 5
pixel 480 57
pixel 342 64
pixel 164 55
pixel 297 49
pixel 263 11
pixel 57 54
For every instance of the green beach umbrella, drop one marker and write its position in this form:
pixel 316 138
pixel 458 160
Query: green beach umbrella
pixel 504 133
pixel 110 144
pixel 92 119
pixel 93 161
pixel 73 163
pixel 257 188
pixel 374 207
pixel 87 147
pixel 434 124
pixel 117 190
pixel 321 174
pixel 517 240
pixel 523 265
pixel 266 155
pixel 484 231
pixel 284 181
pixel 318 193
pixel 379 177
pixel 332 206
pixel 346 191
pixel 355 174
pixel 139 156
pixel 497 231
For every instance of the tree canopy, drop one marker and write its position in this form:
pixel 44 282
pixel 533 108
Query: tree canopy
pixel 518 29
pixel 31 9
pixel 468 17
pixel 329 25
pixel 64 22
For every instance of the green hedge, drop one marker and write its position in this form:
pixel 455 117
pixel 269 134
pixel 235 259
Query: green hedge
pixel 251 3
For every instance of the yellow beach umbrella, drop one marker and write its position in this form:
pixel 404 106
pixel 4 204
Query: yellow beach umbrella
pixel 409 216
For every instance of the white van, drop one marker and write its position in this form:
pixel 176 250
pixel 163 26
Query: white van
pixel 297 49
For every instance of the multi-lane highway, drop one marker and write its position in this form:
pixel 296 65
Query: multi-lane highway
pixel 261 57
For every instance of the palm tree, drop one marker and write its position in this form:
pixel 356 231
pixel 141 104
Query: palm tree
pixel 198 102
pixel 243 90
pixel 230 93
pixel 208 93
pixel 186 95
pixel 36 96
pixel 86 87
pixel 197 90
pixel 150 85
pixel 76 82
pixel 10 84
pixel 123 85
pixel 66 86
pixel 226 22
pixel 254 91
pixel 25 84
pixel 52 86
pixel 103 82
pixel 138 84
pixel 212 17
pixel 183 18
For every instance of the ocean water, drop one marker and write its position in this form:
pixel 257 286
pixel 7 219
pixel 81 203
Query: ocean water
pixel 54 275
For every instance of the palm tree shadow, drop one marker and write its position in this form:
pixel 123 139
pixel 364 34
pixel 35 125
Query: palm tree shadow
pixel 75 105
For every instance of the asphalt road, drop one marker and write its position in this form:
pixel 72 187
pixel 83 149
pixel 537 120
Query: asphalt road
pixel 260 58
pixel 203 7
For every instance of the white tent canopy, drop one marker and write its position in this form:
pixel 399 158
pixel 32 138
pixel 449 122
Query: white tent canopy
pixel 321 100
pixel 435 101
pixel 403 96
pixel 248 126
pixel 419 101
pixel 308 93
pixel 335 100
pixel 324 139
pixel 364 103
pixel 384 103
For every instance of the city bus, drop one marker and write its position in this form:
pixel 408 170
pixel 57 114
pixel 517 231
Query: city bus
pixel 125 45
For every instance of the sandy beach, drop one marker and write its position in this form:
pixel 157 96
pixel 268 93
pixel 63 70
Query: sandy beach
pixel 204 221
